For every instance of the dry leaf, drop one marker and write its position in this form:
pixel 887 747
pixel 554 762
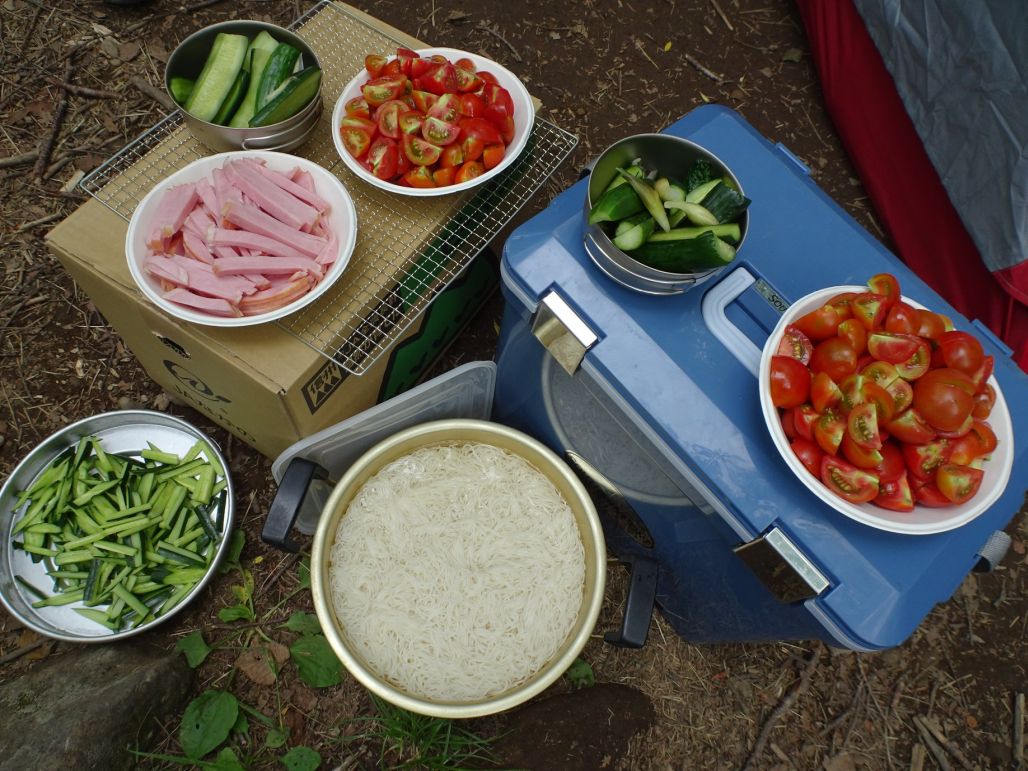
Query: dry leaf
pixel 841 762
pixel 128 51
pixel 457 16
pixel 258 664
pixel 110 47
pixel 792 55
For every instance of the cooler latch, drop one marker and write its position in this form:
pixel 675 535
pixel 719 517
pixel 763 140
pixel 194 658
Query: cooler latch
pixel 782 568
pixel 562 332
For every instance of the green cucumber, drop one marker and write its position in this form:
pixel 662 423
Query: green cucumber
pixel 218 75
pixel 669 190
pixel 725 203
pixel 697 194
pixel 688 255
pixel 289 98
pixel 233 98
pixel 700 172
pixel 635 170
pixel 635 236
pixel 279 67
pixel 630 222
pixel 615 204
pixel 648 195
pixel 729 232
pixel 180 89
pixel 696 214
pixel 256 60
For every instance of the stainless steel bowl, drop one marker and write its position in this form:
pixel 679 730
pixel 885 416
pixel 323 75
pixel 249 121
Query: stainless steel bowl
pixel 187 61
pixel 543 459
pixel 124 431
pixel 672 156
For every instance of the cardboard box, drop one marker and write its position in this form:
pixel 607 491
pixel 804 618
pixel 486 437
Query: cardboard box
pixel 261 383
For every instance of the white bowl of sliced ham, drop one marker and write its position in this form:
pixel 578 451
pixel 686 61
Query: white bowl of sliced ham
pixel 241 238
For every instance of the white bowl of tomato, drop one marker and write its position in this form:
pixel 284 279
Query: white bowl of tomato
pixel 884 411
pixel 431 122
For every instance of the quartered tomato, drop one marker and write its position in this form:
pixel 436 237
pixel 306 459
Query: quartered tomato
pixel 809 453
pixel 923 460
pixel 378 91
pixel 446 108
pixel 862 426
pixel 984 401
pixel 795 344
pixel 873 393
pixel 892 465
pixel 387 116
pixel 418 176
pixel 468 171
pixel 358 106
pixel 976 443
pixel 357 134
pixel 411 122
pixel 467 80
pixel 441 80
pixel 961 351
pixel 472 105
pixel 891 347
pixel 452 156
pixel 492 155
pixel 881 372
pixel 439 132
pixel 930 325
pixel 374 63
pixel 841 303
pixel 824 393
pixel 958 484
pixel 895 494
pixel 423 100
pixel 917 364
pixel 828 431
pixel 790 382
pixel 853 332
pixel 908 426
pixel 443 176
pixel 861 457
pixel 886 286
pixel 835 357
pixel 847 481
pixel 820 323
pixel 902 394
pixel 869 309
pixel 804 418
pixel 382 157
pixel 902 319
pixel 929 495
pixel 945 398
pixel 419 152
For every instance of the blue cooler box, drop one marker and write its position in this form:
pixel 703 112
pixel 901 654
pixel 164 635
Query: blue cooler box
pixel 663 407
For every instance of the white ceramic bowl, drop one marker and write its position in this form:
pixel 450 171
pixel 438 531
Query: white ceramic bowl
pixel 342 219
pixel 524 118
pixel 922 520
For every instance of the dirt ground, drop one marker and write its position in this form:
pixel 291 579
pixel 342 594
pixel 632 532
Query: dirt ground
pixel 602 70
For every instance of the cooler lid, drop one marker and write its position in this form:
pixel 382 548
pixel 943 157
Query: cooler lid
pixel 684 367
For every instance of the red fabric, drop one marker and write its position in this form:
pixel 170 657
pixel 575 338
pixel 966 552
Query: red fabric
pixel 894 168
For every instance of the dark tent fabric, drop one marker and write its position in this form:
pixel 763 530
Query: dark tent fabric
pixel 903 185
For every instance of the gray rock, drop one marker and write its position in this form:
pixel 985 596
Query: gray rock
pixel 87 707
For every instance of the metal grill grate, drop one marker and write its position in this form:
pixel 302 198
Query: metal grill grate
pixel 408 249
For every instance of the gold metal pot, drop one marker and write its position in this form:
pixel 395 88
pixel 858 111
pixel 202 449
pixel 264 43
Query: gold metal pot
pixel 450 431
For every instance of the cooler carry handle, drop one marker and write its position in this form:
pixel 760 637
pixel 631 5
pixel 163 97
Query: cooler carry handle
pixel 715 301
pixel 285 508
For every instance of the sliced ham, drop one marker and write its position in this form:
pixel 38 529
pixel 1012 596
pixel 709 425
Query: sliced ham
pixel 205 190
pixel 196 247
pixel 281 205
pixel 252 219
pixel 171 212
pixel 279 295
pixel 165 269
pixel 269 266
pixel 284 182
pixel 248 240
pixel 213 305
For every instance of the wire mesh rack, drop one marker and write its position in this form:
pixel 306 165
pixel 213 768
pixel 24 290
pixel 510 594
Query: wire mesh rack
pixel 408 249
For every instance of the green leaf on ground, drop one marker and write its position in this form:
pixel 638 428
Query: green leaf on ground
pixel 276 738
pixel 226 761
pixel 207 721
pixel 315 661
pixel 580 674
pixel 242 725
pixel 304 573
pixel 301 759
pixel 235 613
pixel 303 623
pixel 236 541
pixel 194 647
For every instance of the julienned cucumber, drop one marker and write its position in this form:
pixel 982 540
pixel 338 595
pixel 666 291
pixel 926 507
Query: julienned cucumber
pixel 688 255
pixel 218 75
pixel 289 98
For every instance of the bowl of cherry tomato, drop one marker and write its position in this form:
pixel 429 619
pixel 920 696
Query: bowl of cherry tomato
pixel 431 122
pixel 884 411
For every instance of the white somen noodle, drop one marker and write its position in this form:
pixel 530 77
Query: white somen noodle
pixel 457 571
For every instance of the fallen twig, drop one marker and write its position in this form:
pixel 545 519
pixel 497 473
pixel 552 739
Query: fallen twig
pixel 933 746
pixel 1017 747
pixel 721 13
pixel 17 653
pixel 917 757
pixel 41 221
pixel 90 93
pixel 502 39
pixel 696 63
pixel 642 49
pixel 783 706
pixel 945 743
pixel 47 147
pixel 18 160
pixel 154 93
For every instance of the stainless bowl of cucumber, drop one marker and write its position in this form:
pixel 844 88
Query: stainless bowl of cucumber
pixel 246 85
pixel 662 214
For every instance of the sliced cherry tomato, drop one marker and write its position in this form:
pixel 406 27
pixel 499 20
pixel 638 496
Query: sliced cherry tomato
pixel 405 57
pixel 488 77
pixel 492 155
pixel 869 309
pixel 357 134
pixel 847 481
pixel 411 122
pixel 854 333
pixel 418 176
pixel 382 156
pixel 824 393
pixel 441 80
pixel 472 105
pixel 423 100
pixel 795 344
pixel 895 494
pixel 804 418
pixel 419 152
pixel 958 483
pixel 887 286
pixel 466 64
pixel 439 132
pixel 378 91
pixel 862 426
pixel 809 453
pixel 374 63
pixel 421 66
pixel 358 106
pixel 835 357
pixel 482 129
pixel 961 351
pixel 446 108
pixel 902 319
pixel 468 171
pixel 861 457
pixel 930 325
pixel 983 373
pixel 984 401
pixel 986 436
pixel 820 323
pixel 966 449
pixel 393 69
pixel 923 460
pixel 828 431
pixel 873 393
pixel 841 303
pixel 909 427
pixel 893 348
pixel 929 495
pixel 880 372
pixel 467 80
pixel 943 399
pixel 788 424
pixel 902 394
pixel 387 116
pixel 790 382
pixel 472 147
pixel 916 365
pixel 893 465
pixel 852 390
pixel 443 176
pixel 452 156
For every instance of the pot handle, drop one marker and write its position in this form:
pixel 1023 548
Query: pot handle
pixel 642 593
pixel 287 502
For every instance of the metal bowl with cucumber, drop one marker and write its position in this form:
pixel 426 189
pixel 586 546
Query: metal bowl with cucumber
pixel 662 214
pixel 246 85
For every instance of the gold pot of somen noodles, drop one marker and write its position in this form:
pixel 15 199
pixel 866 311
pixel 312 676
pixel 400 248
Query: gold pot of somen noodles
pixel 458 568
